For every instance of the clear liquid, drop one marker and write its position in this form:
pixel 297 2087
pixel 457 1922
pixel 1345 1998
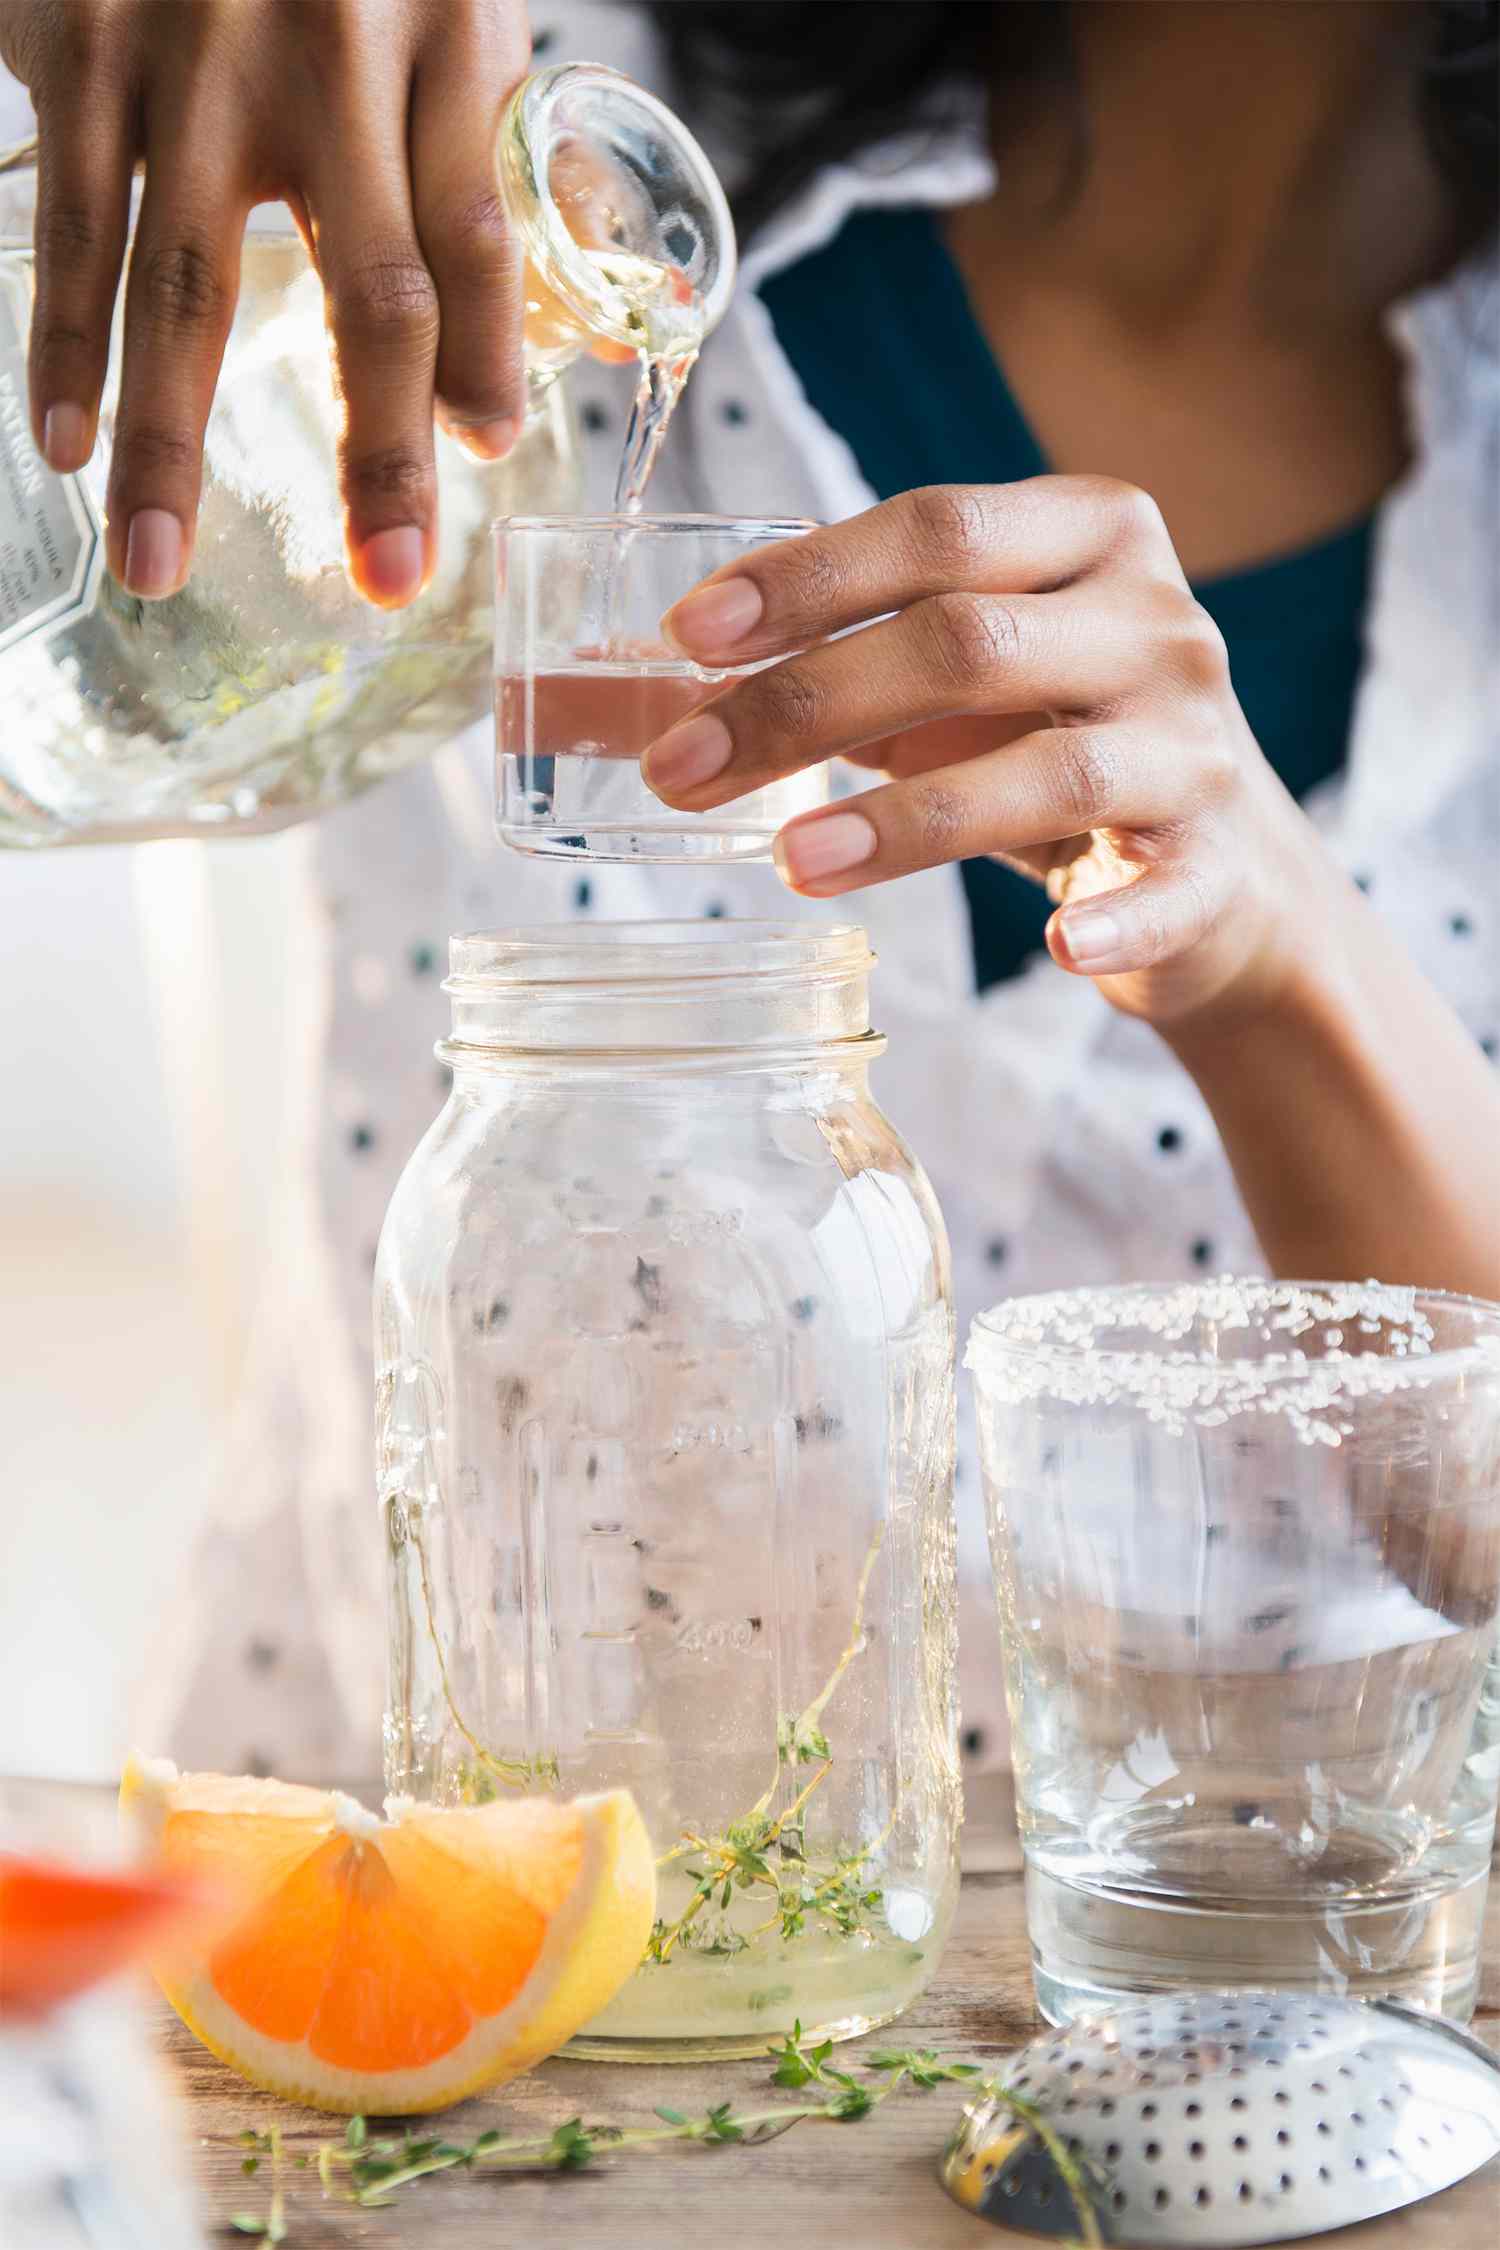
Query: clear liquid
pixel 1323 1827
pixel 655 303
pixel 658 305
pixel 621 696
pixel 663 379
pixel 661 386
pixel 571 784
pixel 836 1986
pixel 605 708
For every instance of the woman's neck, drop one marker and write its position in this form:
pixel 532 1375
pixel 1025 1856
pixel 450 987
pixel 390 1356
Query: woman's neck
pixel 1183 272
pixel 1260 155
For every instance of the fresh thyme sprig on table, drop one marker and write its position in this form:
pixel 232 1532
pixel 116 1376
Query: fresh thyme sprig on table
pixel 369 2171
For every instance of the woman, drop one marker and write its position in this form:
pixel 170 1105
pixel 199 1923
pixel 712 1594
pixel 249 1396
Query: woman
pixel 1010 270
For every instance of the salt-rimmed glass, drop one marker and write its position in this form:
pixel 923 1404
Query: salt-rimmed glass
pixel 1246 1539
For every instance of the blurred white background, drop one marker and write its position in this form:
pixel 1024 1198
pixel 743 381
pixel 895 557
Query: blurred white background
pixel 142 1023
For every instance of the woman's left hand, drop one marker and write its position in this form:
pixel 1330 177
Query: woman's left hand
pixel 1039 685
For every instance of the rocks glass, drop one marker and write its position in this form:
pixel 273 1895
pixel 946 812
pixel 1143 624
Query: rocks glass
pixel 1246 1538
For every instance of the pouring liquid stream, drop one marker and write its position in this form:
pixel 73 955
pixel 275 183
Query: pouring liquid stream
pixel 663 378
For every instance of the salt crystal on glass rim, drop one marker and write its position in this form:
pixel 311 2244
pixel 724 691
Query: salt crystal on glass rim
pixel 1058 1347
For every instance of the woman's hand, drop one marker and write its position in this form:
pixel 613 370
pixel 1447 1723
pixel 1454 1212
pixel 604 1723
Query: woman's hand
pixel 1046 689
pixel 375 119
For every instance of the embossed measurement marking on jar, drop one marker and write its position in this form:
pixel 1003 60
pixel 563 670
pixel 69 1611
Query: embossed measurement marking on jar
pixel 697 1636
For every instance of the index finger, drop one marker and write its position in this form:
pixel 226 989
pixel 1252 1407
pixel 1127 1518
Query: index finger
pixel 941 539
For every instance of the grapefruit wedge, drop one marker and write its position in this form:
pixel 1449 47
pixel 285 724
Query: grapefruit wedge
pixel 396 1965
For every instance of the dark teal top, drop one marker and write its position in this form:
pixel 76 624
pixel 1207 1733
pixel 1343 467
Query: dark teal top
pixel 879 328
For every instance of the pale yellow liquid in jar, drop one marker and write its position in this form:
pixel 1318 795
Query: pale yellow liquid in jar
pixel 834 1985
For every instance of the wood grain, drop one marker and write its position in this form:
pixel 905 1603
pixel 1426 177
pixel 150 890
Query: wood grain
pixel 869 2186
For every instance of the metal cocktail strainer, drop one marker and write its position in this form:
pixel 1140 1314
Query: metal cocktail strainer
pixel 1218 2118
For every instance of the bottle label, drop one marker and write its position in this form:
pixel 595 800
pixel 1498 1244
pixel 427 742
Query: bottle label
pixel 49 528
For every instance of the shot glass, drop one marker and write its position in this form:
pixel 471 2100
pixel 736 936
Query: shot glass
pixel 584 683
pixel 1246 1539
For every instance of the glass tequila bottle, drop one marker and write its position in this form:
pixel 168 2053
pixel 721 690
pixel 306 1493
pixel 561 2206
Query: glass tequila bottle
pixel 267 687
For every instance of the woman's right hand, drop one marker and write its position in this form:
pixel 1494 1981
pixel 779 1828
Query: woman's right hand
pixel 376 121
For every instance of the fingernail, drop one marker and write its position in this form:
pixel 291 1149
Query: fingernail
pixel 491 441
pixel 816 849
pixel 390 564
pixel 1090 935
pixel 65 438
pixel 690 755
pixel 153 554
pixel 713 619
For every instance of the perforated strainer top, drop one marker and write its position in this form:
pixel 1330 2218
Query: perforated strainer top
pixel 1213 2118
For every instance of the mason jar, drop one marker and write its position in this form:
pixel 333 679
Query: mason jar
pixel 664 1352
pixel 268 687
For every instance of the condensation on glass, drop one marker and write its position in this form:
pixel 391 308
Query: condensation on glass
pixel 665 1447
pixel 268 687
pixel 1246 1538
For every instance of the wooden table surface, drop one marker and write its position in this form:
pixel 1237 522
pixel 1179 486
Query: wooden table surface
pixel 866 2186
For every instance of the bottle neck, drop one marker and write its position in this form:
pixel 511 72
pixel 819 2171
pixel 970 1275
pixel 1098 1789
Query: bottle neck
pixel 624 225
